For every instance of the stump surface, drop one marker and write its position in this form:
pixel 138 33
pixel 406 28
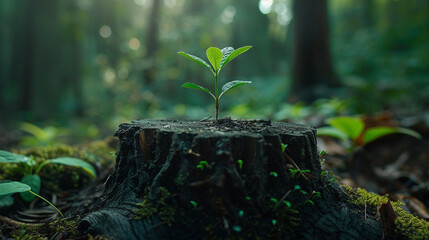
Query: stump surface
pixel 225 180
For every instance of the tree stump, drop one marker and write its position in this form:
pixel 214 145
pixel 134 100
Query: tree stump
pixel 225 180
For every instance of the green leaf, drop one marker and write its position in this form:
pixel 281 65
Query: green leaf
pixel 198 87
pixel 34 130
pixel 214 55
pixel 233 84
pixel 8 157
pixel 197 60
pixel 75 163
pixel 332 132
pixel 12 187
pixel 234 54
pixel 351 126
pixel 225 53
pixel 374 133
pixel 34 182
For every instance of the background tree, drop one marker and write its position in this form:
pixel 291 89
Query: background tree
pixel 152 41
pixel 313 73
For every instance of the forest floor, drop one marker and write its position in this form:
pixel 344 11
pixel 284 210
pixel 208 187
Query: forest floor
pixel 396 165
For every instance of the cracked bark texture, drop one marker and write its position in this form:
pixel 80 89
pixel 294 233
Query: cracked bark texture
pixel 232 201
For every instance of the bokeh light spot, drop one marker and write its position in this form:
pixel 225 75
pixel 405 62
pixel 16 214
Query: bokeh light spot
pixel 134 43
pixel 105 31
pixel 265 6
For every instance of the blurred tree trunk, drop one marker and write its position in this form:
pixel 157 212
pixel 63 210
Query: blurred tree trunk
pixel 25 53
pixel 367 14
pixel 75 78
pixel 152 41
pixel 313 73
pixel 251 28
pixel 6 43
pixel 47 87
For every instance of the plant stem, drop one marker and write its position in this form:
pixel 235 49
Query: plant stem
pixel 217 95
pixel 44 199
pixel 41 166
pixel 217 107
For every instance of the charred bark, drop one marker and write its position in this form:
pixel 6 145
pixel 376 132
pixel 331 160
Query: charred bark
pixel 191 184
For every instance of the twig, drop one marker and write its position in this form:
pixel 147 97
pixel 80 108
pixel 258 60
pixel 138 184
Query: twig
pixel 283 198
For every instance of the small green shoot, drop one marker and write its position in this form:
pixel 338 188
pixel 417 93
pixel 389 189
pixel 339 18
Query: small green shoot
pixel 315 195
pixel 297 187
pixel 195 204
pixel 202 165
pixel 240 164
pixel 274 174
pixel 248 198
pixel 284 146
pixel 333 179
pixel 274 222
pixel 241 213
pixel 218 59
pixel 274 200
pixel 236 228
pixel 40 136
pixel 287 203
pixel 22 232
pixel 296 173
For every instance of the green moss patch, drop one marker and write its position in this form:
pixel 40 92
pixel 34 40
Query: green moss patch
pixel 407 225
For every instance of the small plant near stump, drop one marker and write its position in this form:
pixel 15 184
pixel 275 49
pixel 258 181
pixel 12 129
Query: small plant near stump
pixel 218 59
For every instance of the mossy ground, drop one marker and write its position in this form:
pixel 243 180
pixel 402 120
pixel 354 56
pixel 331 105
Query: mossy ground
pixel 58 178
pixel 62 228
pixel 407 225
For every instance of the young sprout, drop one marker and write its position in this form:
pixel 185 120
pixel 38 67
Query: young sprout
pixel 237 228
pixel 203 164
pixel 284 146
pixel 195 204
pixel 241 213
pixel 218 59
pixel 240 164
